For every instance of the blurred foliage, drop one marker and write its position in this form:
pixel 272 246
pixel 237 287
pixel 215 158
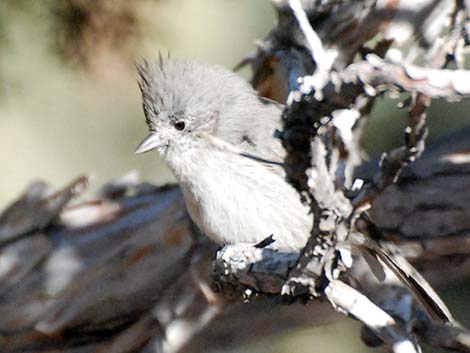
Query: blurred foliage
pixel 85 28
pixel 69 102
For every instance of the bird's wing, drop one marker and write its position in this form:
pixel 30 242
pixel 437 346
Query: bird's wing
pixel 271 165
pixel 258 141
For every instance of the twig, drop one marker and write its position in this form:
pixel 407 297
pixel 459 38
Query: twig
pixel 323 59
pixel 416 132
pixel 347 299
pixel 320 56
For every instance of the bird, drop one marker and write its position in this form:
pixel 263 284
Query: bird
pixel 217 135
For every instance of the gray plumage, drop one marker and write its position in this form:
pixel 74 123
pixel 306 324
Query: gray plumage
pixel 203 120
pixel 212 95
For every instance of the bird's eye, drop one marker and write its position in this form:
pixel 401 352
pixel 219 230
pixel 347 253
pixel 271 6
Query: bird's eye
pixel 179 125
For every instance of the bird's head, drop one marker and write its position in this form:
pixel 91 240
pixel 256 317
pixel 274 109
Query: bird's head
pixel 183 100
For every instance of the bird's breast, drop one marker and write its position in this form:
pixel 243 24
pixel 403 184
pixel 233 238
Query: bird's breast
pixel 234 199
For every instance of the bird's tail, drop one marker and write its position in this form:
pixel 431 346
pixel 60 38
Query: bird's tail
pixel 410 277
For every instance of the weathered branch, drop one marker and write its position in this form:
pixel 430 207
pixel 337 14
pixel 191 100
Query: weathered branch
pixel 313 171
pixel 128 272
pixel 243 270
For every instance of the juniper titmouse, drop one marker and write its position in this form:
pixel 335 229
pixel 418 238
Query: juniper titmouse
pixel 216 134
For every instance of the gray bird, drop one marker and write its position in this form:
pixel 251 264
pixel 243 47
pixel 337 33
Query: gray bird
pixel 217 134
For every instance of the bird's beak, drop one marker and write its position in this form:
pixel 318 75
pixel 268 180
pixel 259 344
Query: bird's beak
pixel 151 142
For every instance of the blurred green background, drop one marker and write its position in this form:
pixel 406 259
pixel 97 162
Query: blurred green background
pixel 69 102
